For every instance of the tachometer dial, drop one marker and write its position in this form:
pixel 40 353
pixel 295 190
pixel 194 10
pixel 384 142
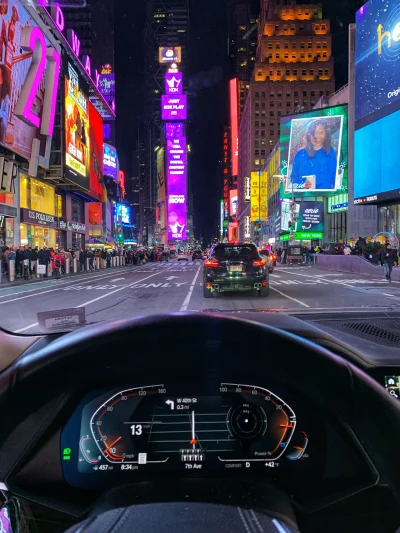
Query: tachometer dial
pixel 261 423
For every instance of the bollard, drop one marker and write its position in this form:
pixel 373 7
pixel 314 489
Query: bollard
pixel 75 265
pixel 104 263
pixel 11 269
pixel 97 263
pixel 118 260
pixel 67 266
pixel 26 269
pixel 37 264
pixel 87 265
pixel 123 260
pixel 49 270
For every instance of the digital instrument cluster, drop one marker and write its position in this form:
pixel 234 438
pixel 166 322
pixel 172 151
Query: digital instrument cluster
pixel 151 429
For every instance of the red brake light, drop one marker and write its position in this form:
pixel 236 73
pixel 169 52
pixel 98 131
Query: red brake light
pixel 259 262
pixel 211 263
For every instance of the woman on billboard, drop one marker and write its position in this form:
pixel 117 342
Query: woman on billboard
pixel 315 165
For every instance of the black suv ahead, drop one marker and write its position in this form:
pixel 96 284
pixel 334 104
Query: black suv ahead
pixel 197 254
pixel 235 267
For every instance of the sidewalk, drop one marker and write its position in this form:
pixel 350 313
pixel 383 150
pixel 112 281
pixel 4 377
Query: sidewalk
pixel 33 279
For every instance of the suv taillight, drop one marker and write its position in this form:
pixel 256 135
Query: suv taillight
pixel 211 263
pixel 259 262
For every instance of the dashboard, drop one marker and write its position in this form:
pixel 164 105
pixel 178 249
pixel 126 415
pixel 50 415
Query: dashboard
pixel 137 432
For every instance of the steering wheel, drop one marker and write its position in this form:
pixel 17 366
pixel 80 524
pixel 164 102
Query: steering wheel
pixel 33 391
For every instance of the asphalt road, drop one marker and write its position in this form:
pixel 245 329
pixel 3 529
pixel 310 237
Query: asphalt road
pixel 158 288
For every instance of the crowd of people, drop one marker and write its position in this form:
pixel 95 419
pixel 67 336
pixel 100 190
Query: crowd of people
pixel 30 261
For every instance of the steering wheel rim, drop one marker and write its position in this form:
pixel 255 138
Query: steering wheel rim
pixel 348 393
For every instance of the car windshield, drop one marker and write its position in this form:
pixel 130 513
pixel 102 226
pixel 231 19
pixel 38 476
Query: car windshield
pixel 148 151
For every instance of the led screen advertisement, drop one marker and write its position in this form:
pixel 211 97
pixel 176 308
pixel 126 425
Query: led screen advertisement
pixel 377 161
pixel 122 213
pixel 77 140
pixel 170 54
pixel 176 187
pixel 110 161
pixel 28 82
pixel 173 107
pixel 96 153
pixel 173 82
pixel 233 202
pixel 314 152
pixel 377 56
pixel 308 216
pixel 107 83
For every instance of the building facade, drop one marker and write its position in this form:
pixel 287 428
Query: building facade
pixel 293 70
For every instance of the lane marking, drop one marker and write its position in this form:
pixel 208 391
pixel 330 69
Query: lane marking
pixel 95 299
pixel 326 280
pixel 116 279
pixel 59 287
pixel 290 297
pixel 189 294
pixel 51 282
pixel 275 275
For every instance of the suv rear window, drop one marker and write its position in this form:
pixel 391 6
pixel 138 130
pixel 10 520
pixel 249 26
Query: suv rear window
pixel 232 251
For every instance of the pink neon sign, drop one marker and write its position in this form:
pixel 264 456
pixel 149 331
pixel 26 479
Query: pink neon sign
pixel 33 40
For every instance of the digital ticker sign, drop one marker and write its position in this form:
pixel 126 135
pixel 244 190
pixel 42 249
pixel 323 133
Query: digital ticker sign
pixel 176 186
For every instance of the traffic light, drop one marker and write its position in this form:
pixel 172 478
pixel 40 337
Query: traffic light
pixel 289 224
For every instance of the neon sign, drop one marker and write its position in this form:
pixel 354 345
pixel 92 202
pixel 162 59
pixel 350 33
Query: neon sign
pixel 33 40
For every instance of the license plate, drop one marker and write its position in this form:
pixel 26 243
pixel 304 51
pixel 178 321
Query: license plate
pixel 235 268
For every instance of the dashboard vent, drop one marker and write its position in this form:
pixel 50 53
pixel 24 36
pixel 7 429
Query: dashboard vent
pixel 381 331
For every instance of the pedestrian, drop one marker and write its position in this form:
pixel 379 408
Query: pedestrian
pixel 82 259
pixel 389 258
pixel 44 259
pixel 56 263
pixel 4 260
pixel 33 260
pixel 19 262
pixel 90 256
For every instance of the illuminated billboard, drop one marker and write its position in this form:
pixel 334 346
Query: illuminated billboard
pixel 174 130
pixel 176 187
pixel 122 213
pixel 233 97
pixel 313 151
pixel 173 82
pixel 110 161
pixel 254 196
pixel 377 161
pixel 377 56
pixel 107 83
pixel 309 216
pixel 233 202
pixel 173 107
pixel 96 153
pixel 29 75
pixel 170 54
pixel 77 141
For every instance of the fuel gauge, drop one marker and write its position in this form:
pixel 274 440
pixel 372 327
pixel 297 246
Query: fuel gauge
pixel 89 450
pixel 297 446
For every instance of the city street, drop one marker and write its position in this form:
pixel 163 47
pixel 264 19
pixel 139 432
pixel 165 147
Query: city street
pixel 172 287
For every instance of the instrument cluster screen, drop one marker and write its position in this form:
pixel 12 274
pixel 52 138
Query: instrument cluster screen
pixel 151 429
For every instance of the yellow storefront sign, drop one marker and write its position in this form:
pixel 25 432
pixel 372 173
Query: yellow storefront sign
pixel 263 196
pixel 254 196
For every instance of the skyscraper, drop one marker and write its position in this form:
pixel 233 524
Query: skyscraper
pixel 167 24
pixel 242 19
pixel 94 25
pixel 293 70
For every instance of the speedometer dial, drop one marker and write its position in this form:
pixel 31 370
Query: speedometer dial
pixel 123 424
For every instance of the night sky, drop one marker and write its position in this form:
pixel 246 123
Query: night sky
pixel 208 90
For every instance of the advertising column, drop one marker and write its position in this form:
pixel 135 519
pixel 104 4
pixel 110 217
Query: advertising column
pixel 174 108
